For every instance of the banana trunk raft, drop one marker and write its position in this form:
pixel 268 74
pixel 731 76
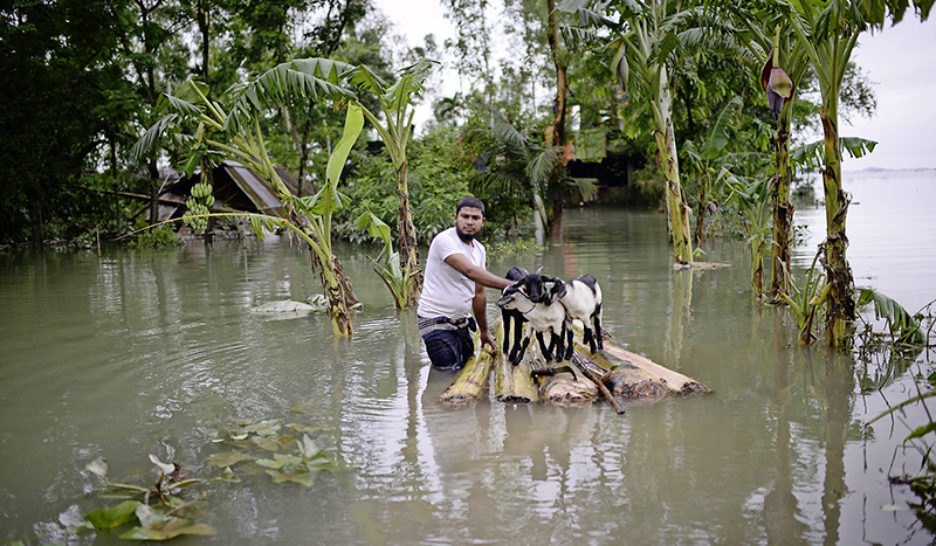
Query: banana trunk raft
pixel 613 374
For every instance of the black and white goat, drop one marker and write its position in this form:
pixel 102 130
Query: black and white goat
pixel 513 318
pixel 535 297
pixel 581 298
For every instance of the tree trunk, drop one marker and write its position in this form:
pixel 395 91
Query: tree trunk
pixel 409 252
pixel 782 208
pixel 676 208
pixel 154 191
pixel 339 293
pixel 559 119
pixel 840 305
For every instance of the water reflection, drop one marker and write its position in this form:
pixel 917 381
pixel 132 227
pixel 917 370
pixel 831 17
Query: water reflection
pixel 135 354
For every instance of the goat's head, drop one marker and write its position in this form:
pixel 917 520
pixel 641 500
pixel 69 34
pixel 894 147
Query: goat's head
pixel 534 288
pixel 516 273
pixel 512 295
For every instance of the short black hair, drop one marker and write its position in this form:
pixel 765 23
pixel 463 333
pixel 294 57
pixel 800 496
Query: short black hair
pixel 472 202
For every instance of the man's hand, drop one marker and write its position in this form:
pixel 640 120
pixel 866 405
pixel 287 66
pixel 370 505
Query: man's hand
pixel 485 338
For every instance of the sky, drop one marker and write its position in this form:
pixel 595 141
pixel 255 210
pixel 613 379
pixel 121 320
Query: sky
pixel 896 59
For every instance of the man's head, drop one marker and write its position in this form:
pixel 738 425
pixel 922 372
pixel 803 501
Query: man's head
pixel 469 217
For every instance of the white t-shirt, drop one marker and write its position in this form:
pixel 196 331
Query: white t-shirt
pixel 446 292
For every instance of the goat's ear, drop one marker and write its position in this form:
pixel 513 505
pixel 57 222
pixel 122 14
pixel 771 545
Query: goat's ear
pixel 559 287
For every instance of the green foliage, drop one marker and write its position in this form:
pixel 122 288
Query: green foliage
pixel 437 179
pixel 164 236
pixel 387 265
pixel 806 302
pixel 149 513
pixel 903 327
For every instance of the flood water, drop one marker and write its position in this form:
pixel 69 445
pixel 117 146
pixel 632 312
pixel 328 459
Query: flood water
pixel 132 354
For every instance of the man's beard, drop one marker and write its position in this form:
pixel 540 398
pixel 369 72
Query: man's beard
pixel 465 237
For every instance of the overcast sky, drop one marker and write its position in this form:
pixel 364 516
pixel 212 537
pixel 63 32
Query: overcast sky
pixel 898 60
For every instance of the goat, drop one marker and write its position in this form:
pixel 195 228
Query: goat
pixel 581 298
pixel 512 315
pixel 543 315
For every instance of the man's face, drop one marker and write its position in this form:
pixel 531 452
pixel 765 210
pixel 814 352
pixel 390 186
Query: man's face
pixel 468 222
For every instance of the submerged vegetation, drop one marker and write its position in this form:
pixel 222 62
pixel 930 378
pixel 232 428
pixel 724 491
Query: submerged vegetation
pixel 169 508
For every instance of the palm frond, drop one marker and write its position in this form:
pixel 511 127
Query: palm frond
pixel 897 318
pixel 579 39
pixel 717 138
pixel 151 138
pixel 544 164
pixel 812 155
pixel 307 78
pixel 363 76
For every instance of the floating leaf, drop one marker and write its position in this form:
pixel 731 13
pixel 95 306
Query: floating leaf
pixel 302 478
pixel 307 447
pixel 149 517
pixel 165 468
pixel 98 466
pixel 227 458
pixel 228 475
pixel 167 530
pixel 299 427
pixel 279 443
pixel 279 461
pixel 109 518
pixel 239 437
pixel 264 428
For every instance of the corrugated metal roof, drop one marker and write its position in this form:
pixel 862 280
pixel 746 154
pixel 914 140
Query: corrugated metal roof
pixel 255 188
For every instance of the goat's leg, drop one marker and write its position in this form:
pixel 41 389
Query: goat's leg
pixel 519 323
pixel 506 316
pixel 547 351
pixel 519 349
pixel 598 336
pixel 558 341
pixel 570 342
pixel 587 338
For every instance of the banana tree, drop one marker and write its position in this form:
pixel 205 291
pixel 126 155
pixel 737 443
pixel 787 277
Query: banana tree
pixel 771 37
pixel 396 103
pixel 828 32
pixel 709 161
pixel 232 129
pixel 650 37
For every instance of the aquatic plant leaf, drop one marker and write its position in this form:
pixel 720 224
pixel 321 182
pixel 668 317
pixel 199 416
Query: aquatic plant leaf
pixel 302 478
pixel 307 447
pixel 299 427
pixel 273 444
pixel 172 528
pixel 148 516
pixel 165 468
pixel 264 428
pixel 110 518
pixel 239 437
pixel 227 458
pixel 228 475
pixel 921 431
pixel 98 466
pixel 279 461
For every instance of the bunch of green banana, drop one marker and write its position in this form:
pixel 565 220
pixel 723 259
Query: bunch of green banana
pixel 199 204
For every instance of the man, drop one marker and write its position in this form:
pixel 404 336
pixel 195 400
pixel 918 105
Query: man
pixel 453 289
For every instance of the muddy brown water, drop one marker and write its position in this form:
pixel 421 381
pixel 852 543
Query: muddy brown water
pixel 131 354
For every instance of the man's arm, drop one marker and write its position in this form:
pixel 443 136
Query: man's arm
pixel 479 309
pixel 479 275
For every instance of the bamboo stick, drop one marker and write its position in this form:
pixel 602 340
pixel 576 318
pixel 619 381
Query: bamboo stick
pixel 598 381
